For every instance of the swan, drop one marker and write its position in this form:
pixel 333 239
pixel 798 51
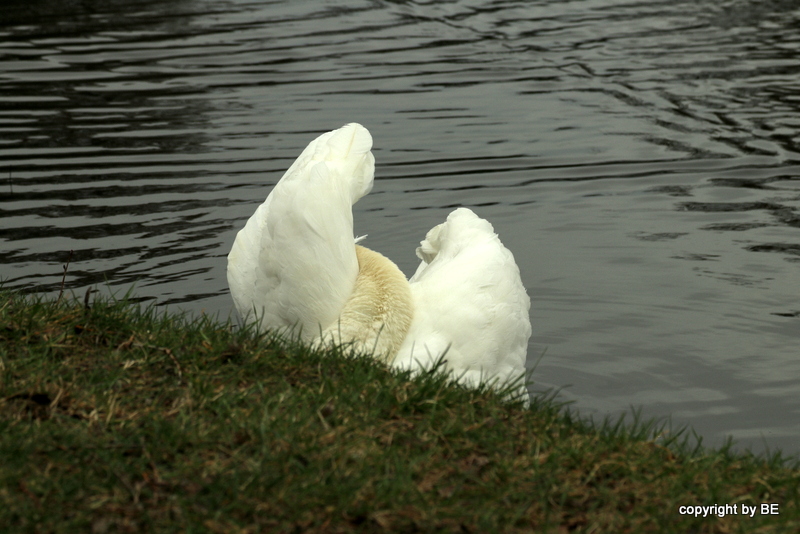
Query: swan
pixel 297 266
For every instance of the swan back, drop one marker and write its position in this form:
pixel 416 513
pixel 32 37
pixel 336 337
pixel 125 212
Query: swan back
pixel 294 263
pixel 469 302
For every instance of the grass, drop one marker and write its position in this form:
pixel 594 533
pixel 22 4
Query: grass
pixel 120 418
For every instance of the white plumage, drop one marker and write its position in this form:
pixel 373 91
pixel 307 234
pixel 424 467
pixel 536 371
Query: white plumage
pixel 295 265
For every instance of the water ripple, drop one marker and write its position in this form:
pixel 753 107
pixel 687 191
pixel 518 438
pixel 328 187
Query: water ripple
pixel 640 159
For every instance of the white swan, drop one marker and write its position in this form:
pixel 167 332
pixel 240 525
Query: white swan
pixel 295 265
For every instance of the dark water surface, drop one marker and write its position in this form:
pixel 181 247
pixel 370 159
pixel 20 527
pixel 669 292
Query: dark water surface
pixel 640 159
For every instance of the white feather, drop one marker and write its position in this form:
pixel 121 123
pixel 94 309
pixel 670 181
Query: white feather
pixel 294 263
pixel 469 304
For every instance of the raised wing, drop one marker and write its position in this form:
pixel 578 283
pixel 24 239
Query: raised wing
pixel 294 263
pixel 469 302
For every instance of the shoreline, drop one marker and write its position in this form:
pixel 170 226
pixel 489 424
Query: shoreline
pixel 121 417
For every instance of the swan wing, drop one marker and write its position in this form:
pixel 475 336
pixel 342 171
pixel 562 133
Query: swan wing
pixel 294 263
pixel 469 304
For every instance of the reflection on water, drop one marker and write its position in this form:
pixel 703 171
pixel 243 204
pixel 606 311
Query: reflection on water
pixel 641 160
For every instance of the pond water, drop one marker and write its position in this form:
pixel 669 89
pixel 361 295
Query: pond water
pixel 641 160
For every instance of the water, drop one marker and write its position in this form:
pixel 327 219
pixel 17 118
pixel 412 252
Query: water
pixel 640 159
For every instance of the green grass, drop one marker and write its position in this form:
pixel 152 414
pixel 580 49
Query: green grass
pixel 121 418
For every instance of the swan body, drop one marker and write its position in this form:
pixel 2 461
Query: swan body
pixel 295 265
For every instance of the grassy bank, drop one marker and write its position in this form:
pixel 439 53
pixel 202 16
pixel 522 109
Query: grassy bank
pixel 115 418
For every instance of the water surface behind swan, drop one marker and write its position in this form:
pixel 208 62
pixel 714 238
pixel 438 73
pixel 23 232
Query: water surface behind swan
pixel 640 160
